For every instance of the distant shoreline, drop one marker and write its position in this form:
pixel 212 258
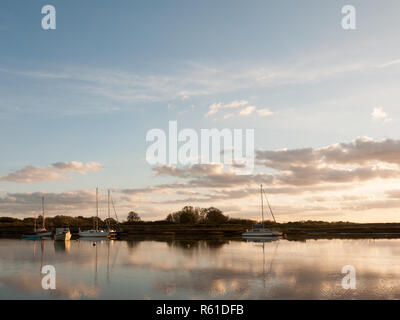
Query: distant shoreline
pixel 291 230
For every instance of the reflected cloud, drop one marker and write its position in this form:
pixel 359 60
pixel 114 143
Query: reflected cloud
pixel 185 269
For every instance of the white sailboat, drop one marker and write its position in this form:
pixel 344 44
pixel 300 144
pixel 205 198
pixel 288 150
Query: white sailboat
pixel 260 233
pixel 95 232
pixel 42 231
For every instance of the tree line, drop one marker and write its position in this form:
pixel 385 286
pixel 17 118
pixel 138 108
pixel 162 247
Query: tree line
pixel 195 215
pixel 188 215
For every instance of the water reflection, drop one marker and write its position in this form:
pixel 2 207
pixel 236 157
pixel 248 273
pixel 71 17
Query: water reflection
pixel 62 246
pixel 191 245
pixel 188 269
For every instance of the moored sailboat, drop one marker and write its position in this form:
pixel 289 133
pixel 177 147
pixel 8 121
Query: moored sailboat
pixel 259 232
pixel 42 231
pixel 95 232
pixel 38 232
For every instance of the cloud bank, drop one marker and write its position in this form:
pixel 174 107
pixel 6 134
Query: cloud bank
pixel 55 172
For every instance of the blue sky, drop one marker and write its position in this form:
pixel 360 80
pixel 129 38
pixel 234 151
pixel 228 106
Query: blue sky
pixel 91 89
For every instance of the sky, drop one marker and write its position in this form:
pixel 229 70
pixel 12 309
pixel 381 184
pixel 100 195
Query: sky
pixel 77 102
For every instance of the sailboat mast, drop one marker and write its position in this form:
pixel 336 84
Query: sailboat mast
pixel 109 215
pixel 97 209
pixel 109 212
pixel 43 211
pixel 262 206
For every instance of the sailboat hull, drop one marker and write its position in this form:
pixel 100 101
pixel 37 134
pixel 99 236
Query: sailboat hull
pixel 261 233
pixel 93 234
pixel 31 236
pixel 37 235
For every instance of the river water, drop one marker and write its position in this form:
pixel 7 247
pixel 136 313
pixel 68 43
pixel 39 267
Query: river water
pixel 212 269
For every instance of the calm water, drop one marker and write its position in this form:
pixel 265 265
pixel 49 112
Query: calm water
pixel 200 269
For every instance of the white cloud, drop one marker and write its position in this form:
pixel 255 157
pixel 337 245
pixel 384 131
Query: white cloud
pixel 363 151
pixel 350 163
pixel 379 114
pixel 79 167
pixel 236 104
pixel 57 203
pixel 247 111
pixel 390 63
pixel 215 107
pixel 31 174
pixel 264 112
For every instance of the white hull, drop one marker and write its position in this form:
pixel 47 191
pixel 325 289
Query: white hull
pixel 93 234
pixel 261 233
pixel 261 239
